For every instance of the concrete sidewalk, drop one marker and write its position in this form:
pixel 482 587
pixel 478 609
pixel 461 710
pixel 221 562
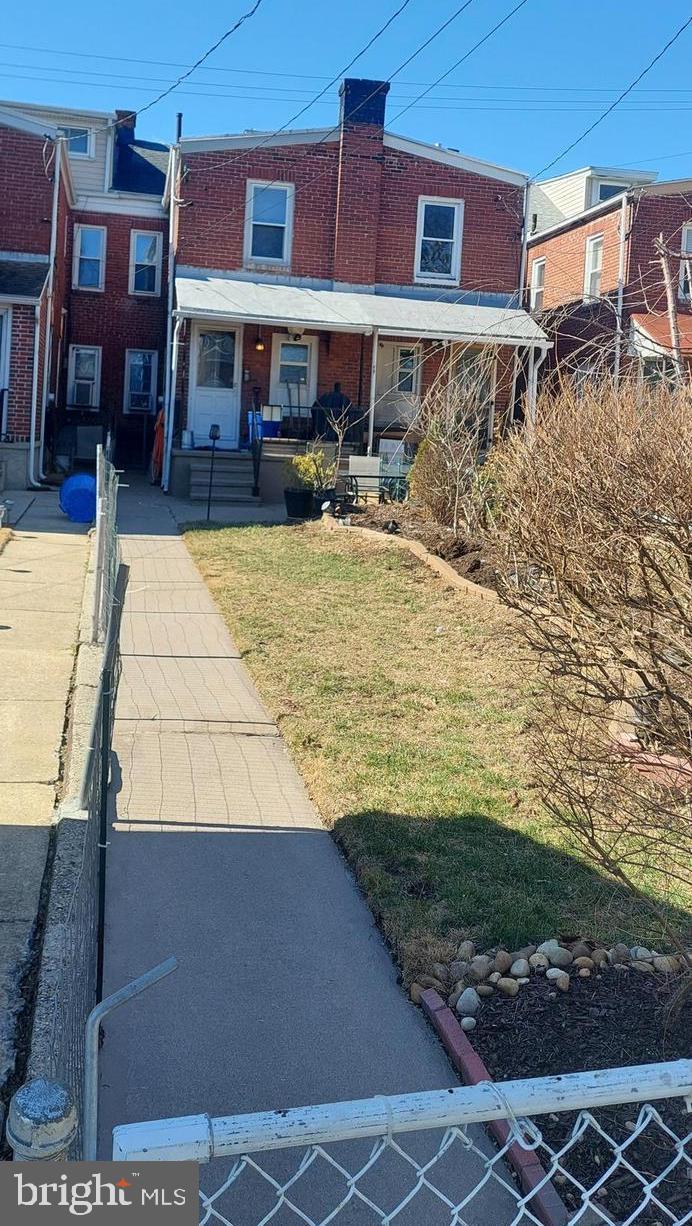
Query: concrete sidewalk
pixel 285 994
pixel 42 572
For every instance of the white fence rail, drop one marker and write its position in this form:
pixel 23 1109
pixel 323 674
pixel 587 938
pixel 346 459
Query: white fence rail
pixel 601 1153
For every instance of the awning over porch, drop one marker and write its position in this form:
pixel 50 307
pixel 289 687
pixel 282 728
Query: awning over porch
pixel 651 335
pixel 213 297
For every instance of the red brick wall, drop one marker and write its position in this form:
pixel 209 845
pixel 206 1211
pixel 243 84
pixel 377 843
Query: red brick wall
pixel 21 372
pixel 214 189
pixel 115 319
pixel 654 215
pixel 358 204
pixel 491 237
pixel 26 195
pixel 565 255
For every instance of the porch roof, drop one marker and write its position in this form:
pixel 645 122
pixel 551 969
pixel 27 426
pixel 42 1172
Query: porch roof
pixel 651 335
pixel 214 297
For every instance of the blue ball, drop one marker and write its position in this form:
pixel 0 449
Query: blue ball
pixel 78 498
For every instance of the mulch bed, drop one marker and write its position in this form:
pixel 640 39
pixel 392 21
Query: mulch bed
pixel 469 557
pixel 617 1018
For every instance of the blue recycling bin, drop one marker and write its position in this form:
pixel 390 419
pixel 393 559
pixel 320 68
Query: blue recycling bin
pixel 78 498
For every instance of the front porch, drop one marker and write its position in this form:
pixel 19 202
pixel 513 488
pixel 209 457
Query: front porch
pixel 343 368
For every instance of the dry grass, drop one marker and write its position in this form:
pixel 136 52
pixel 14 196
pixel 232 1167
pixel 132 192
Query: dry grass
pixel 404 705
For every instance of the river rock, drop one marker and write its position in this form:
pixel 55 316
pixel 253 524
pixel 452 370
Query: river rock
pixel 520 968
pixel 503 961
pixel 668 966
pixel 580 950
pixel 466 951
pixel 639 953
pixel 638 964
pixel 559 956
pixel 539 962
pixel 468 1003
pixel 429 981
pixel 522 979
pixel 510 987
pixel 494 977
pixel 584 972
pixel 479 968
pixel 562 981
pixel 546 946
pixel 457 969
pixel 599 955
pixel 485 989
pixel 468 1023
pixel 619 954
pixel 584 962
pixel 415 992
pixel 554 973
pixel 440 972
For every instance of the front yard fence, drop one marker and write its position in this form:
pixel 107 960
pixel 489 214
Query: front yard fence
pixel 606 1146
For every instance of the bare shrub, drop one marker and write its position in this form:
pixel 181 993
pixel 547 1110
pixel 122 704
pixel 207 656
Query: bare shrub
pixel 454 423
pixel 593 517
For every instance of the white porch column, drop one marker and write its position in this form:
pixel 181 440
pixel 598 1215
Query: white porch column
pixel 170 406
pixel 373 389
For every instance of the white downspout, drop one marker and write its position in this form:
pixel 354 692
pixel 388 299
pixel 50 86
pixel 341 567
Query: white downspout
pixel 524 246
pixel 621 291
pixel 170 406
pixel 51 280
pixel 373 390
pixel 169 317
pixel 534 365
pixel 32 484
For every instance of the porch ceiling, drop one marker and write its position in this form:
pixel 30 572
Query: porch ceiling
pixel 211 297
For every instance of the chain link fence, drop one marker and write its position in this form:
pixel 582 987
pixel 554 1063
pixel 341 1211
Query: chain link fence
pixel 107 545
pixel 585 1147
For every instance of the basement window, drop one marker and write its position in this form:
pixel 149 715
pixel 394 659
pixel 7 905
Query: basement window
pixel 84 377
pixel 268 222
pixel 438 239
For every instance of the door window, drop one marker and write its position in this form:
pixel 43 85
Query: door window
pixel 216 359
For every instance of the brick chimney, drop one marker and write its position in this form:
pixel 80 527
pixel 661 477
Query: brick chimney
pixel 125 127
pixel 361 157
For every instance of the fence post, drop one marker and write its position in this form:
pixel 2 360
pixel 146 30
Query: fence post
pixel 42 1122
pixel 98 546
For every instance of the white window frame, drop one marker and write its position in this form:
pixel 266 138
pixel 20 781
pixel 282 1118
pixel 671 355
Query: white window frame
pixel 597 184
pixel 145 293
pixel 90 153
pixel 685 245
pixel 438 278
pixel 417 352
pixel 5 349
pixel 88 289
pixel 273 261
pixel 589 270
pixel 96 402
pixel 127 407
pixel 278 394
pixel 535 289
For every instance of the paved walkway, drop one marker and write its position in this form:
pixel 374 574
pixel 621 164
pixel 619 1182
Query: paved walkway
pixel 285 994
pixel 42 572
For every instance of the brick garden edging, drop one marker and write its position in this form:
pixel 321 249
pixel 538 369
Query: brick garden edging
pixel 545 1203
pixel 443 569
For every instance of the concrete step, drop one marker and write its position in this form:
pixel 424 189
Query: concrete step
pixel 200 493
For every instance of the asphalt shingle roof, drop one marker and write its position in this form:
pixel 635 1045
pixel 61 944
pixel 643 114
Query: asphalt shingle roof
pixel 22 278
pixel 141 167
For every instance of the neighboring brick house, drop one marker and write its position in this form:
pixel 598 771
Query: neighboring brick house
pixel 593 276
pixel 344 256
pixel 83 251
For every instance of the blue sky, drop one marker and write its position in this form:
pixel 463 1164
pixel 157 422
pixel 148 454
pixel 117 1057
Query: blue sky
pixel 518 100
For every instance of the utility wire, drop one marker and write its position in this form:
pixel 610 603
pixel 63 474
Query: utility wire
pixel 608 111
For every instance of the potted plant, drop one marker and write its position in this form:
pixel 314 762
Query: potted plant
pixel 310 482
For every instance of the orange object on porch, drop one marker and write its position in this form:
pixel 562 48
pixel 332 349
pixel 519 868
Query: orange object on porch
pixel 157 450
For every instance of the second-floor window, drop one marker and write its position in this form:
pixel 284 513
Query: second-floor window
pixel 88 268
pixel 268 222
pixel 79 141
pixel 537 285
pixel 145 262
pixel 593 266
pixel 685 283
pixel 84 377
pixel 438 239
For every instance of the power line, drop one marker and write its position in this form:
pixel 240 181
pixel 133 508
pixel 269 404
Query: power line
pixel 618 100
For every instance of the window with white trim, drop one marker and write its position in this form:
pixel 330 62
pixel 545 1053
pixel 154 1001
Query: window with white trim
pixel 268 222
pixel 685 281
pixel 408 363
pixel 438 239
pixel 141 366
pixel 145 262
pixel 84 377
pixel 537 284
pixel 606 191
pixel 79 141
pixel 89 262
pixel 593 266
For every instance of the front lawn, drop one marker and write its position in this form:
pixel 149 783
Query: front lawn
pixel 404 704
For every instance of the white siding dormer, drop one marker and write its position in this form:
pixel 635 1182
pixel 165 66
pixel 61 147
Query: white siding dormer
pixel 91 158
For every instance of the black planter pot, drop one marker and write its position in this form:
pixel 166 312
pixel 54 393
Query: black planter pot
pixel 299 503
pixel 320 496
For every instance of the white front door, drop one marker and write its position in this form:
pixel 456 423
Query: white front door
pixel 397 387
pixel 215 377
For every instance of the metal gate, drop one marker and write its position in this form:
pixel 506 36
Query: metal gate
pixel 609 1146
